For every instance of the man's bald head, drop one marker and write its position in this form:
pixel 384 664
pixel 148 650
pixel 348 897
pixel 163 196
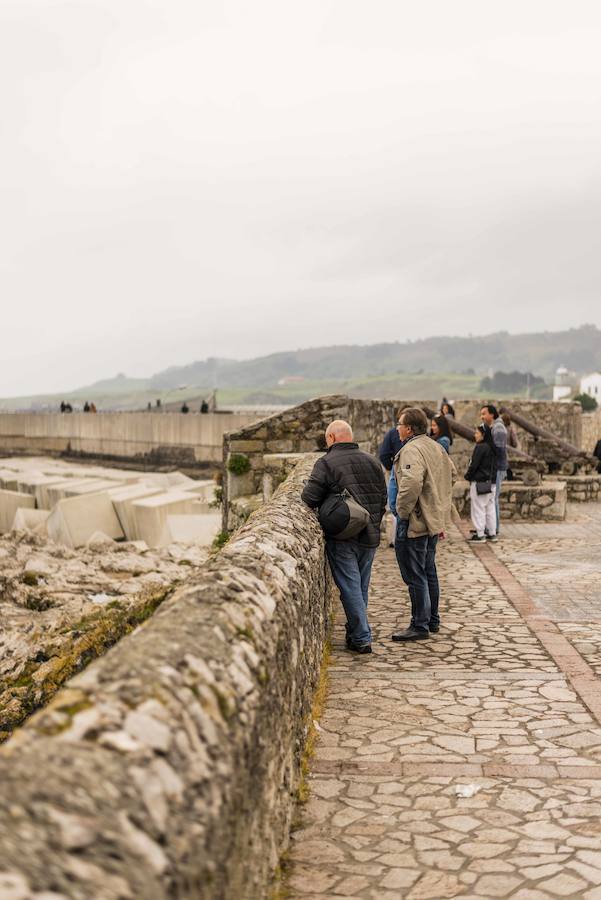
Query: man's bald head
pixel 338 432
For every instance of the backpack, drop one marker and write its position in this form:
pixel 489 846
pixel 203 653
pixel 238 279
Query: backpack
pixel 341 517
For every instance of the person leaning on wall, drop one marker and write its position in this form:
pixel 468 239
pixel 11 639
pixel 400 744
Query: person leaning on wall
pixel 346 468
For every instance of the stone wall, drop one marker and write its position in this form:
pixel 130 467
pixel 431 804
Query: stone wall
pixel 168 769
pixel 297 430
pixel 157 438
pixel 563 419
pixel 546 501
pixel 591 429
pixel 582 488
pixel 301 430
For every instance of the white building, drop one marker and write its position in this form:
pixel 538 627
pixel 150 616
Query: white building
pixel 562 389
pixel 591 385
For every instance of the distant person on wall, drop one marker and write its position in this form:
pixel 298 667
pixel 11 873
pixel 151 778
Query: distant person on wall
pixel 424 475
pixel 597 453
pixel 204 407
pixel 481 474
pixel 446 409
pixel 185 408
pixel 490 417
pixel 440 431
pixel 63 406
pixel 388 450
pixel 93 407
pixel 346 467
pixel 158 404
pixel 86 407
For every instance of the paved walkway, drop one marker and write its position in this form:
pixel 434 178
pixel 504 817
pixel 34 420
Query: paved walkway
pixel 468 765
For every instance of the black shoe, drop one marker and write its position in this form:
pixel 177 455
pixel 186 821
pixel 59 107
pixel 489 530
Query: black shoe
pixel 492 538
pixel 477 538
pixel 433 629
pixel 410 634
pixel 358 648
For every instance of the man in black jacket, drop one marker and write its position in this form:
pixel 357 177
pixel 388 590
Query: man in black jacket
pixel 345 466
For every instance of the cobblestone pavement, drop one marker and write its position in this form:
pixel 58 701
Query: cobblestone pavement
pixel 468 765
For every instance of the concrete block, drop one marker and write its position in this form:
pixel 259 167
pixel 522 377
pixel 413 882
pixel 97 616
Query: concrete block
pixel 123 500
pixel 204 490
pixel 38 485
pixel 8 480
pixel 77 490
pixel 10 502
pixel 192 529
pixel 56 492
pixel 151 515
pixel 30 520
pixel 74 520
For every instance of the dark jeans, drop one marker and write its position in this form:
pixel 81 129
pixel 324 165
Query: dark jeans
pixel 417 561
pixel 351 569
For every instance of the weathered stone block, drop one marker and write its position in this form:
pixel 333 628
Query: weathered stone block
pixel 247 446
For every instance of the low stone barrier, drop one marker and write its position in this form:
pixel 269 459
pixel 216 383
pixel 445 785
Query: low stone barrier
pixel 169 767
pixel 582 488
pixel 545 501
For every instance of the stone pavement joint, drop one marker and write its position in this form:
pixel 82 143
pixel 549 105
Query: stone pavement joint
pixel 468 765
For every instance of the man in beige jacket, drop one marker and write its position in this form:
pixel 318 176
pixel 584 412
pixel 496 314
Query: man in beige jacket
pixel 424 475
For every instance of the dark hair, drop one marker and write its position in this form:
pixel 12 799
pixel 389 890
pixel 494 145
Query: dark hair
pixel 416 419
pixel 492 409
pixel 486 432
pixel 444 403
pixel 506 419
pixel 444 427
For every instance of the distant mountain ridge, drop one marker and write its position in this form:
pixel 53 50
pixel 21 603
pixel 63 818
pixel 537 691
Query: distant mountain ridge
pixel 540 353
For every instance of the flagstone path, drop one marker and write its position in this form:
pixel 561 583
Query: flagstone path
pixel 468 765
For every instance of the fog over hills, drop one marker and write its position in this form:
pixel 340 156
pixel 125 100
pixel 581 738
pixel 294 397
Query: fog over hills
pixel 420 369
pixel 540 353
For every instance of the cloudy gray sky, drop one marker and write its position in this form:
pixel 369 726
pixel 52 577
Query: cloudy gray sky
pixel 181 179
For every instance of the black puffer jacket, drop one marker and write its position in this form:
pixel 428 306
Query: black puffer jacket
pixel 345 466
pixel 483 465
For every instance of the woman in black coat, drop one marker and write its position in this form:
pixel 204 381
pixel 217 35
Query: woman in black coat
pixel 481 473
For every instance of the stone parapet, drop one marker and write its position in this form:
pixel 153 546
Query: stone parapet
pixel 546 501
pixel 168 769
pixel 582 488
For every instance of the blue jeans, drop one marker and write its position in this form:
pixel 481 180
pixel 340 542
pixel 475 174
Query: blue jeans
pixel 417 561
pixel 351 564
pixel 501 476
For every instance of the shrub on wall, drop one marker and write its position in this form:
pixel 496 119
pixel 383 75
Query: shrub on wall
pixel 238 464
pixel 588 403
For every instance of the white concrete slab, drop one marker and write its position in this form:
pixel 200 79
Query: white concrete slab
pixel 123 500
pixel 74 520
pixel 30 520
pixel 192 529
pixel 10 502
pixel 8 480
pixel 205 490
pixel 58 491
pixel 77 490
pixel 151 515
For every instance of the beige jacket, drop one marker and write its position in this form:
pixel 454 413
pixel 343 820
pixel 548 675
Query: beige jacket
pixel 425 474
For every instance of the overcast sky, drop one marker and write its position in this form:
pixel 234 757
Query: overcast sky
pixel 182 179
